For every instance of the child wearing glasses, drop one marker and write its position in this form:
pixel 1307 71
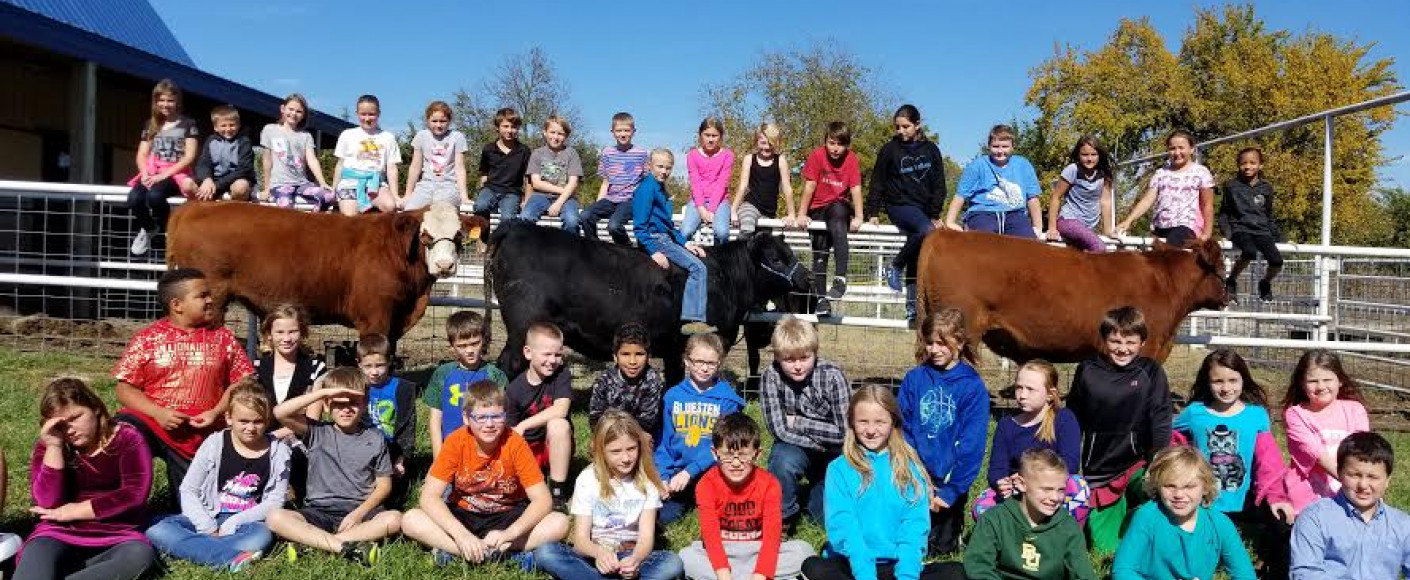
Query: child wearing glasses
pixel 691 409
pixel 741 513
pixel 498 503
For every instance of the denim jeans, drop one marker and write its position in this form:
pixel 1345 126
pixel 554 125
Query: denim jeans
pixel 690 222
pixel 560 561
pixel 913 222
pixel 538 204
pixel 177 537
pixel 789 464
pixel 693 303
pixel 621 215
pixel 489 200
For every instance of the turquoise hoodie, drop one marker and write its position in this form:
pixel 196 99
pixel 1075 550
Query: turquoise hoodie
pixel 879 523
pixel 1154 548
pixel 689 419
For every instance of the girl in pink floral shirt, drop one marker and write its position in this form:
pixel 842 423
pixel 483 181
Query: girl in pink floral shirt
pixel 1182 193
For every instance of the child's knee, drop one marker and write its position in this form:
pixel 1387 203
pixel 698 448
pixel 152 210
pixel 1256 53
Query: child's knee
pixel 240 189
pixel 391 520
pixel 553 527
pixel 560 429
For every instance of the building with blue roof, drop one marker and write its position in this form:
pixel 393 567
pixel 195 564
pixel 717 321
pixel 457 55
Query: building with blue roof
pixel 78 76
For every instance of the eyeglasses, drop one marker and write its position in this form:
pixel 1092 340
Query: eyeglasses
pixel 487 418
pixel 738 457
pixel 704 364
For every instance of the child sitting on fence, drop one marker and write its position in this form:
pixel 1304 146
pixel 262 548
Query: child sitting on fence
pixel 165 154
pixel 368 160
pixel 290 155
pixel 437 173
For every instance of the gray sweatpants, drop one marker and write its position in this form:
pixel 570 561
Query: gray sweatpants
pixel 742 557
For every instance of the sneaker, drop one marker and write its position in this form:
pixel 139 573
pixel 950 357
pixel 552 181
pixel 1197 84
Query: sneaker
pixel 1265 290
pixel 141 242
pixel 244 559
pixel 823 307
pixel 893 278
pixel 365 553
pixel 1231 291
pixel 292 552
pixel 442 558
pixel 839 288
pixel 696 327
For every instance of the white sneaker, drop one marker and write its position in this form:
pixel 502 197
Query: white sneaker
pixel 141 242
pixel 9 546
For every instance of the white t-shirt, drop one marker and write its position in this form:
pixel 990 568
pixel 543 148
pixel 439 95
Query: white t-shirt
pixel 616 519
pixel 362 151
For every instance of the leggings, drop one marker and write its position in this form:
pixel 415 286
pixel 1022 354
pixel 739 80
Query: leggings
pixel 1079 236
pixel 51 559
pixel 149 206
pixel 838 216
pixel 836 567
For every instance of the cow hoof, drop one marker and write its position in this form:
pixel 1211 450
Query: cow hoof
pixel 696 327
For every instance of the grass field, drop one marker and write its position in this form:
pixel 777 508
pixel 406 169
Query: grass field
pixel 23 376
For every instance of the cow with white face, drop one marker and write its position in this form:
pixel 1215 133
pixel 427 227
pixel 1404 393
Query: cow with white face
pixel 372 272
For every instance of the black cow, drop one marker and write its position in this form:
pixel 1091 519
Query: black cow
pixel 589 288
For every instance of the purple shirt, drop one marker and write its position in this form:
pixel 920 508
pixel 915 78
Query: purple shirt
pixel 709 176
pixel 622 170
pixel 116 481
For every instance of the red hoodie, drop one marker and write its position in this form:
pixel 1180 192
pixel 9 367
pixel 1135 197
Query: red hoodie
pixel 753 512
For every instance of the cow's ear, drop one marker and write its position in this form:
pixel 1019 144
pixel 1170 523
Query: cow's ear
pixel 472 225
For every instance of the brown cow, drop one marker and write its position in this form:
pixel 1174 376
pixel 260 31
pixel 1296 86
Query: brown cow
pixel 1029 300
pixel 373 272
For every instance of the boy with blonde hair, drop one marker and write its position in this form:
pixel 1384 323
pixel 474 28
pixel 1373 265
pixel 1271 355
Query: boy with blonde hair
pixel 621 166
pixel 537 403
pixel 227 161
pixel 804 399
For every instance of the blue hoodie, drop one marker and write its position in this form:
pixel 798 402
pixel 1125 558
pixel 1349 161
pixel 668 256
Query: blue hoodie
pixel 690 419
pixel 945 416
pixel 651 215
pixel 879 523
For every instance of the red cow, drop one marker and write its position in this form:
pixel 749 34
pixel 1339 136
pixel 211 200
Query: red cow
pixel 372 273
pixel 1029 300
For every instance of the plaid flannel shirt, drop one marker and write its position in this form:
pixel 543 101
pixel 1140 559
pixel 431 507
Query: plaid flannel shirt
pixel 818 405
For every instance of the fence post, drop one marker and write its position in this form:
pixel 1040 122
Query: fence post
pixel 1325 264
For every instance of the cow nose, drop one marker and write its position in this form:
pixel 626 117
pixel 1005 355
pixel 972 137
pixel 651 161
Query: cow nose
pixel 445 266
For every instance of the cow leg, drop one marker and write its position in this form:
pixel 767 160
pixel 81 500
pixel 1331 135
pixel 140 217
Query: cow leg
pixel 220 300
pixel 756 336
pixel 408 321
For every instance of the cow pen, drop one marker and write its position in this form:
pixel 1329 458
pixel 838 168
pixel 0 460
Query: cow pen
pixel 67 282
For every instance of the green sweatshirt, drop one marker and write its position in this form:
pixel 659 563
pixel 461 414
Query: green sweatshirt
pixel 1005 547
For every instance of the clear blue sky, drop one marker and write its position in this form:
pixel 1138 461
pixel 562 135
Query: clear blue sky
pixel 964 64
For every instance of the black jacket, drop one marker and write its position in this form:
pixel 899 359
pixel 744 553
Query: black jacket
pixel 908 174
pixel 1124 412
pixel 1248 209
pixel 307 368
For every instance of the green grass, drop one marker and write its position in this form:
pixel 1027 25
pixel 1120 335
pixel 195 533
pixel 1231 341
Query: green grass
pixel 23 376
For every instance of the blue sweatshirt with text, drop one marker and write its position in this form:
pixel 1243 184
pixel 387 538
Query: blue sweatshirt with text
pixel 689 420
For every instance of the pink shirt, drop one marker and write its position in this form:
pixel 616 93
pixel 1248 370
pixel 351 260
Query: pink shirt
pixel 709 176
pixel 1312 434
pixel 1177 196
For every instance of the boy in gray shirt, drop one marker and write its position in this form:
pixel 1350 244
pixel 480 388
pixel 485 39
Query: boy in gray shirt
pixel 554 172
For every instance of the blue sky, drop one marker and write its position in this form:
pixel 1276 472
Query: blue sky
pixel 964 64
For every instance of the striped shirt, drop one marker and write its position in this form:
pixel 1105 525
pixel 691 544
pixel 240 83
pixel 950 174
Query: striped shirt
pixel 622 170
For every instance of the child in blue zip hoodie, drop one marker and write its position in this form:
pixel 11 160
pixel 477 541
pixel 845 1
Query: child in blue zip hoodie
pixel 657 234
pixel 876 500
pixel 945 417
pixel 691 409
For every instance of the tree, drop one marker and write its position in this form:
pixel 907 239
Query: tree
pixel 1231 74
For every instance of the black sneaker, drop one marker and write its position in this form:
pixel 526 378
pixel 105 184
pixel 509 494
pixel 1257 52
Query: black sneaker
pixel 1265 290
pixel 1231 291
pixel 839 288
pixel 823 307
pixel 365 553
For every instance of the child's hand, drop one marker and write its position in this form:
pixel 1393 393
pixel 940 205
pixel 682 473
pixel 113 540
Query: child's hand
pixel 1004 486
pixel 607 562
pixel 264 195
pixel 706 215
pixel 170 418
pixel 629 567
pixel 789 222
pixel 206 191
pixel 471 548
pixel 400 466
pixel 352 519
pixel 340 394
pixel 204 419
pixel 937 504
pixel 1052 236
pixel 555 209
pixel 283 434
pixel 496 540
pixel 69 512
pixel 1283 511
pixel 678 482
pixel 734 216
pixel 874 221
pixel 950 226
pixel 51 433
pixel 661 260
pixel 695 249
pixel 803 220
pixel 856 223
pixel 148 179
pixel 1121 229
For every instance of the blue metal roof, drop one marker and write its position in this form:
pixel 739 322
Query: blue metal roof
pixel 131 22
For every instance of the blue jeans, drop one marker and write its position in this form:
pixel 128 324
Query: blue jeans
pixel 177 537
pixel 693 303
pixel 538 204
pixel 913 222
pixel 621 215
pixel 789 464
pixel 489 200
pixel 560 561
pixel 690 222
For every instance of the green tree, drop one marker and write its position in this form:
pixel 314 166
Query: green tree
pixel 1231 74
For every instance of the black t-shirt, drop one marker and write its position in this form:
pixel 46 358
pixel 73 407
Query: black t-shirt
pixel 526 400
pixel 242 479
pixel 505 171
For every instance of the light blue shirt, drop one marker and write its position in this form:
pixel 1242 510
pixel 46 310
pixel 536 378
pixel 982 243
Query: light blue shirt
pixel 1331 542
pixel 990 188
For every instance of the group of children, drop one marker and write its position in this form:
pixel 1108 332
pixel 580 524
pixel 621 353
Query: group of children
pixel 318 458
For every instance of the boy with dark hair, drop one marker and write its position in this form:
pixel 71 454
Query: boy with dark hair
pixel 832 193
pixel 1122 401
pixel 741 519
pixel 484 497
pixel 537 404
pixel 227 161
pixel 468 335
pixel 502 166
pixel 621 166
pixel 173 378
pixel 631 385
pixel 1354 534
pixel 391 407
